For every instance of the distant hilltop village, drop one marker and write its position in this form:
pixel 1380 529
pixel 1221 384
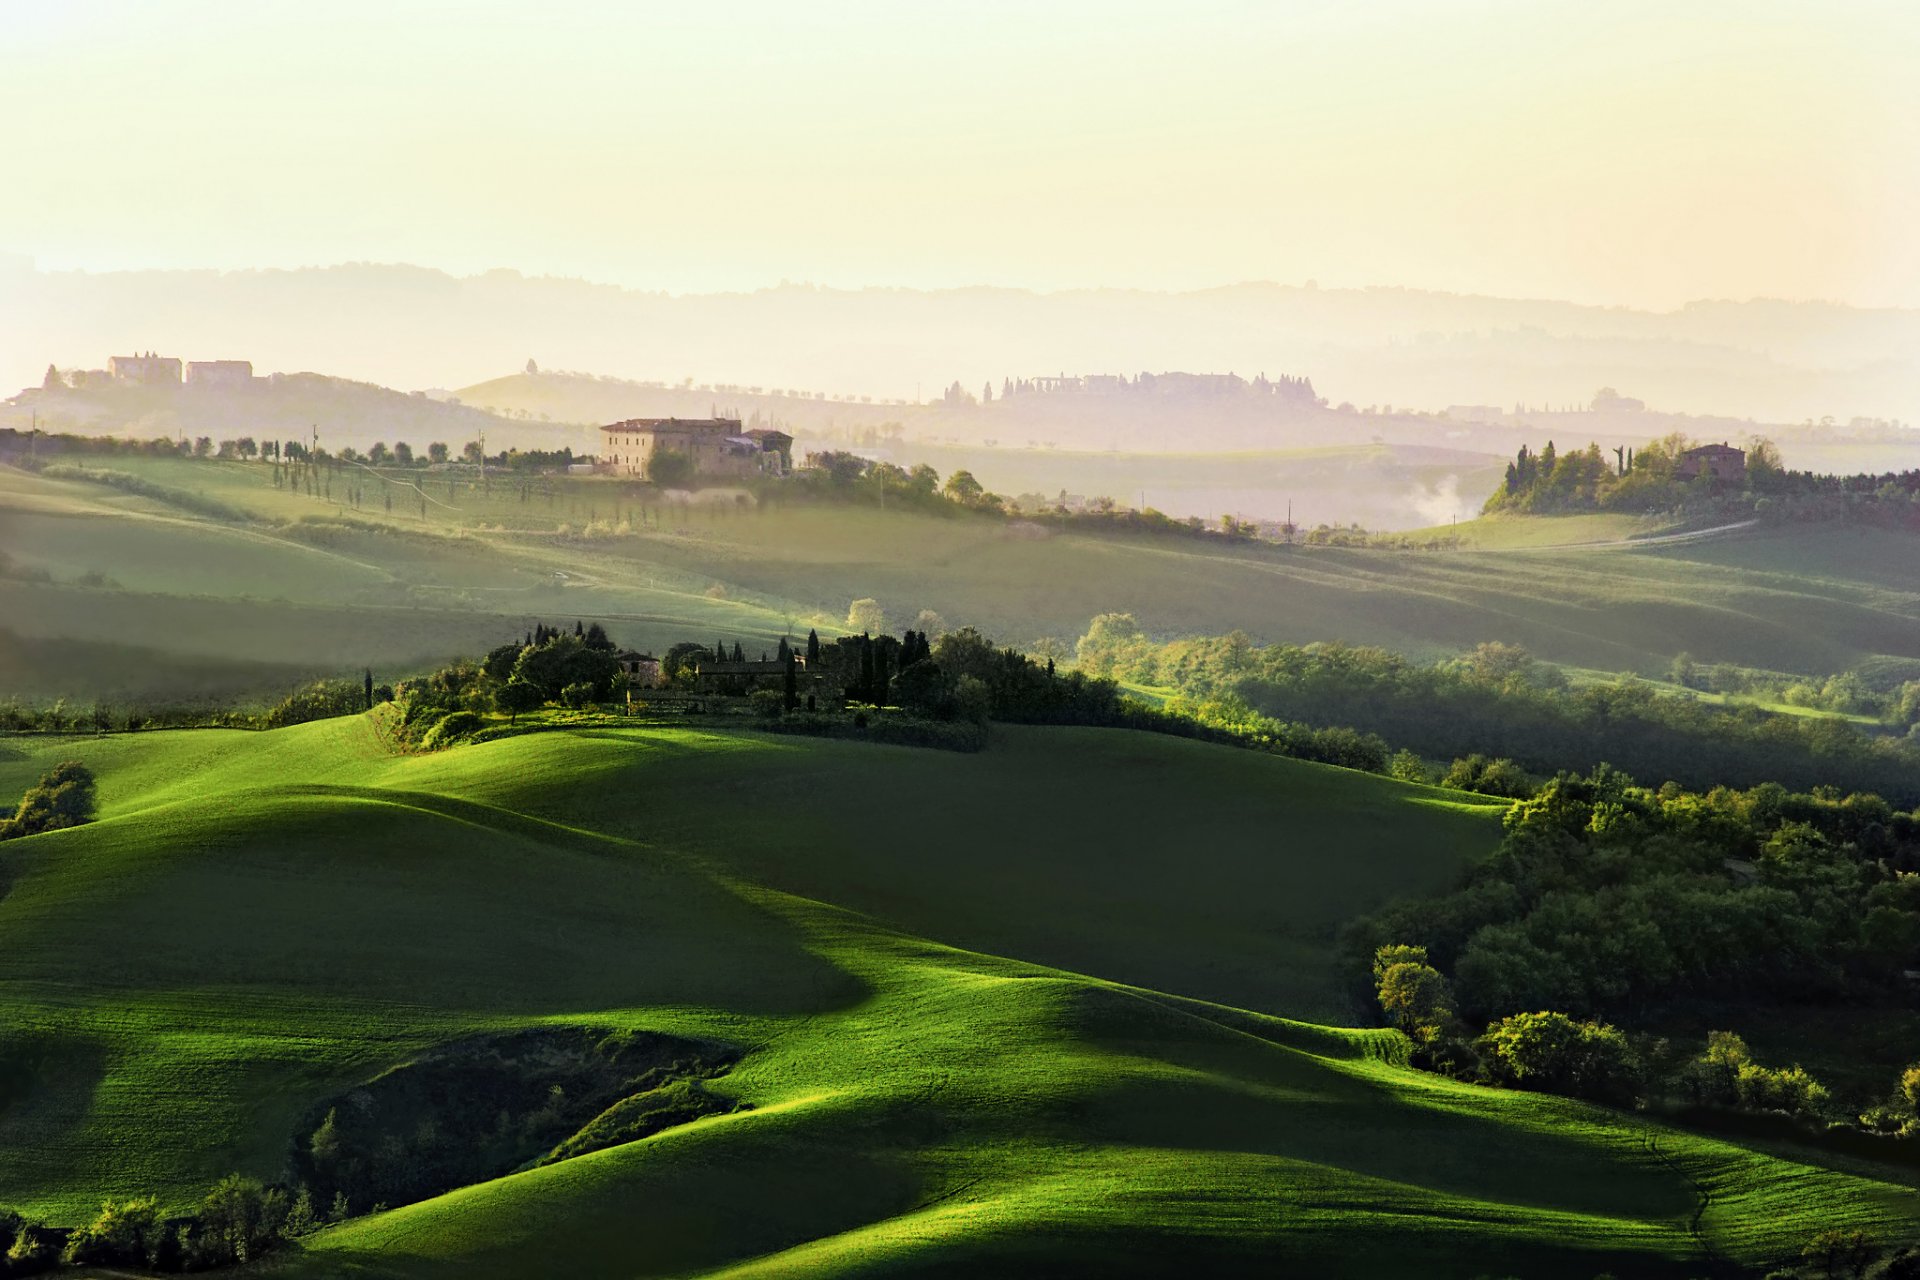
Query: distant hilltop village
pixel 149 370
pixel 1295 390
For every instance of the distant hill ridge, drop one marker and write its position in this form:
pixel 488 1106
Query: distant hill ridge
pixel 410 326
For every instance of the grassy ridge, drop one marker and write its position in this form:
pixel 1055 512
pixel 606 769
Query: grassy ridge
pixel 964 1057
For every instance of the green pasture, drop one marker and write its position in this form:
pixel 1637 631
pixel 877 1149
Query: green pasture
pixel 1065 1006
pixel 394 593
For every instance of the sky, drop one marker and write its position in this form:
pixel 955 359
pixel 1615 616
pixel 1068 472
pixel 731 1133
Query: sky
pixel 1638 154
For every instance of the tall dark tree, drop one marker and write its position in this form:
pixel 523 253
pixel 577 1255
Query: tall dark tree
pixel 813 648
pixel 785 650
pixel 369 688
pixel 790 679
pixel 739 654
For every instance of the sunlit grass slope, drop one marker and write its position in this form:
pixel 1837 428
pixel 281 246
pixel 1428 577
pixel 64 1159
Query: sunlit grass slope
pixel 400 592
pixel 1035 1011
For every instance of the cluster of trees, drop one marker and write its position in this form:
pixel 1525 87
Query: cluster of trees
pixel 240 1220
pixel 1499 699
pixel 848 477
pixel 1611 901
pixel 1551 482
pixel 64 797
pixel 574 668
pixel 1844 693
pixel 844 476
pixel 325 699
pixel 1608 897
pixel 1648 479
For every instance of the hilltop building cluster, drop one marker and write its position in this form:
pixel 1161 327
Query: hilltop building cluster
pixel 147 369
pixel 675 450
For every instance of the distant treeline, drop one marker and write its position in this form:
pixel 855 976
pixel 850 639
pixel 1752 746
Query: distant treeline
pixel 1499 702
pixel 17 446
pixel 1550 482
pixel 847 477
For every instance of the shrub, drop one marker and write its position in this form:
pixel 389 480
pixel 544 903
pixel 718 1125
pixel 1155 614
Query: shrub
pixel 1417 999
pixel 451 729
pixel 1408 767
pixel 124 1231
pixel 239 1220
pixel 768 704
pixel 321 700
pixel 1726 1075
pixel 62 798
pixel 517 696
pixel 1839 1252
pixel 32 1250
pixel 577 697
pixel 1552 1053
pixel 972 701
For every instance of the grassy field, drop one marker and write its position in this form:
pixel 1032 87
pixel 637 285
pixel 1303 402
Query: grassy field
pixel 995 1022
pixel 397 592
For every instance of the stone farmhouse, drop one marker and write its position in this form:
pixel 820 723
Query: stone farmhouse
pixel 718 448
pixel 641 669
pixel 1720 461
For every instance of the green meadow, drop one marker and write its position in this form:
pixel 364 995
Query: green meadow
pixel 1067 1006
pixel 312 586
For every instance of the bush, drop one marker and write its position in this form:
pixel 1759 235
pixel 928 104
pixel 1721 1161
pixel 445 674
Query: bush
pixel 1413 994
pixel 451 729
pixel 32 1250
pixel 321 700
pixel 239 1220
pixel 1489 777
pixel 517 696
pixel 62 798
pixel 1552 1053
pixel 577 697
pixel 126 1232
pixel 1408 767
pixel 768 704
pixel 1726 1075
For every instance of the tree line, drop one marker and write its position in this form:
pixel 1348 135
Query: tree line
pixel 1610 908
pixel 1551 482
pixel 1499 701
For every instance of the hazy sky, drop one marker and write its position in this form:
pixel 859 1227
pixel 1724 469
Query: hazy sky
pixel 1638 153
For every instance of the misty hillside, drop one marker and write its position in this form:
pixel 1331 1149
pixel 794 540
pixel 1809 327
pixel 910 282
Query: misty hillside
pixel 283 406
pixel 414 327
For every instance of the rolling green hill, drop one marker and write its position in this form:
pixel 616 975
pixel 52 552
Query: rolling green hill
pixel 993 1021
pixel 311 587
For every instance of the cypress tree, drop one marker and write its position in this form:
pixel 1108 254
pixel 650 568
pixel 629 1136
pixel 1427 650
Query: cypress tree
pixel 369 688
pixel 785 650
pixel 739 654
pixel 792 699
pixel 879 676
pixel 813 647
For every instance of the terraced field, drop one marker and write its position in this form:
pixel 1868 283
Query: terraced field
pixel 992 1021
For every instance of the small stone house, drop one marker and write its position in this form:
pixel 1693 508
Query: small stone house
pixel 1720 461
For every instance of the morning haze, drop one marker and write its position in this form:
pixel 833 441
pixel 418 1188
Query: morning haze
pixel 873 640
